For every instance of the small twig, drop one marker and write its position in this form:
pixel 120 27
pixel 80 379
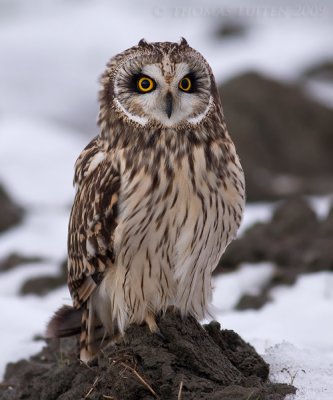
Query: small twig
pixel 108 397
pixel 92 388
pixel 180 391
pixel 145 383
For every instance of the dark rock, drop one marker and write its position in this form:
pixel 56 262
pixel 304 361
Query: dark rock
pixel 41 285
pixel 191 362
pixel 15 259
pixel 295 240
pixel 44 284
pixel 247 248
pixel 11 214
pixel 253 302
pixel 322 70
pixel 293 217
pixel 284 138
pixel 327 225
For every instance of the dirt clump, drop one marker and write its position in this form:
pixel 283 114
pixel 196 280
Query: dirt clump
pixel 187 361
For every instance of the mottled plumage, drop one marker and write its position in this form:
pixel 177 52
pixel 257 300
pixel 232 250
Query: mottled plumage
pixel 159 195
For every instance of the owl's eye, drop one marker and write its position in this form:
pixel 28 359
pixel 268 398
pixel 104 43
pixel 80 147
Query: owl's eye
pixel 145 84
pixel 185 84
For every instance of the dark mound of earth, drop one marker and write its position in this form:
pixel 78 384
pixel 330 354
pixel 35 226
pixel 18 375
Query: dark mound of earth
pixel 283 137
pixel 187 361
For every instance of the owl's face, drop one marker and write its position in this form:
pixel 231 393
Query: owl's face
pixel 160 83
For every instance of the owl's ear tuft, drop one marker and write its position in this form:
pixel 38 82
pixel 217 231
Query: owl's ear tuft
pixel 183 42
pixel 143 42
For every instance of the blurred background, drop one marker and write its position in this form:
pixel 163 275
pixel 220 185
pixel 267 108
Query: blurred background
pixel 273 61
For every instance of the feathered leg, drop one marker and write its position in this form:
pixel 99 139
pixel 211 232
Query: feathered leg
pixel 93 333
pixel 87 339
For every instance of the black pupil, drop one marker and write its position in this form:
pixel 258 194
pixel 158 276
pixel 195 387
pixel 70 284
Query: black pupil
pixel 185 83
pixel 145 84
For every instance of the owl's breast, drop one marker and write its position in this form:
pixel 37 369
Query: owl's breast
pixel 174 222
pixel 180 213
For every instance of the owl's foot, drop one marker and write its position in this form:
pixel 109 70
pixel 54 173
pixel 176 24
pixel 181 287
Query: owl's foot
pixel 152 325
pixel 86 355
pixel 151 322
pixel 116 338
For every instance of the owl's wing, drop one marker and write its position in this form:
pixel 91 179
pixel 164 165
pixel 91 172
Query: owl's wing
pixel 92 221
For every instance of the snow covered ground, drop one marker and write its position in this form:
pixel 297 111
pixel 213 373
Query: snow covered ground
pixel 51 56
pixel 293 332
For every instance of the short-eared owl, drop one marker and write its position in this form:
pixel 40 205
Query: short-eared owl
pixel 159 196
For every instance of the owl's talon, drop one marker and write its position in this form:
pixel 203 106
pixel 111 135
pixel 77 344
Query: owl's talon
pixel 153 327
pixel 160 335
pixel 151 322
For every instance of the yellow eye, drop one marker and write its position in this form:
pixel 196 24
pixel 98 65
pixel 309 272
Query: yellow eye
pixel 145 84
pixel 185 84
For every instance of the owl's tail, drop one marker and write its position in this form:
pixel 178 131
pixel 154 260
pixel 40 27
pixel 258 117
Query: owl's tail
pixel 69 321
pixel 65 322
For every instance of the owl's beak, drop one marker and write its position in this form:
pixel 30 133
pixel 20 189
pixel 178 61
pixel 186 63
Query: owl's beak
pixel 168 104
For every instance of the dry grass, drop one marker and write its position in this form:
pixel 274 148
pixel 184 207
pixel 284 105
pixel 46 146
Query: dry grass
pixel 180 391
pixel 140 378
pixel 92 388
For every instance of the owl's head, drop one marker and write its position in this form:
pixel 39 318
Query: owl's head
pixel 163 83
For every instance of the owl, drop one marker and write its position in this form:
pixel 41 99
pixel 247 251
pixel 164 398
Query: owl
pixel 159 196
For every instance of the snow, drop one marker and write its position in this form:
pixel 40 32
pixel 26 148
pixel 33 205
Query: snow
pixel 42 175
pixel 248 279
pixel 311 296
pixel 22 319
pixel 293 332
pixel 43 233
pixel 51 56
pixel 321 90
pixel 321 205
pixel 259 212
pixel 311 372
